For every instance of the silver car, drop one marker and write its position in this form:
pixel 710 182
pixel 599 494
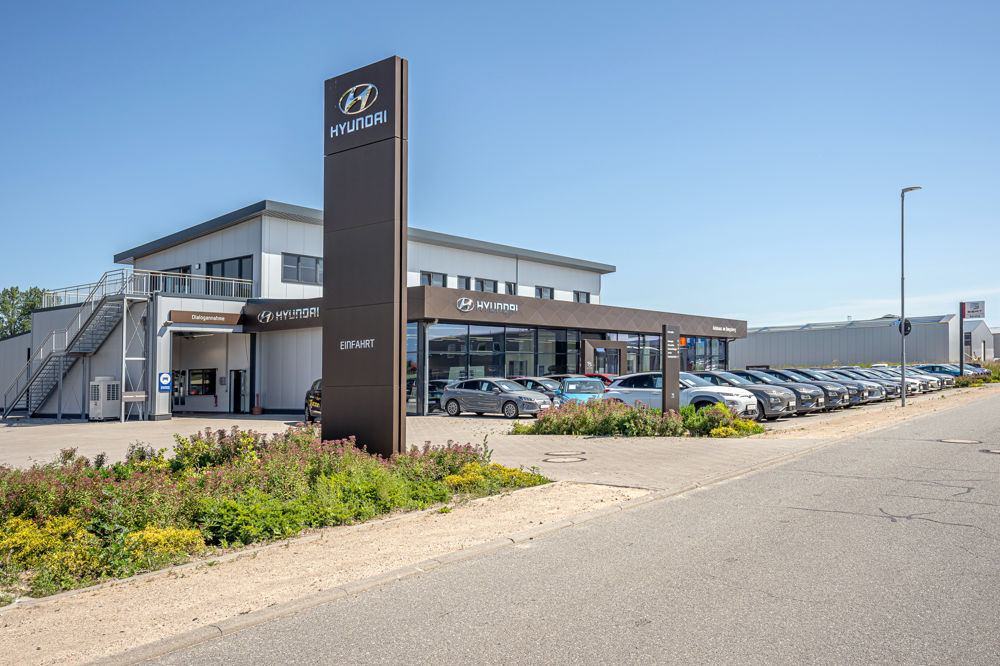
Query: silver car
pixel 493 395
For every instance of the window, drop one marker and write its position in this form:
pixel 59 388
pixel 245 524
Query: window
pixel 581 296
pixel 303 269
pixel 201 382
pixel 433 279
pixel 544 292
pixel 510 288
pixel 486 285
pixel 173 284
pixel 240 268
pixel 464 282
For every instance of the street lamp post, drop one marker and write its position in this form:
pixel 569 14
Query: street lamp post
pixel 902 292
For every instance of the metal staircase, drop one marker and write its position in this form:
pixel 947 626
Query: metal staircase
pixel 98 314
pixel 102 306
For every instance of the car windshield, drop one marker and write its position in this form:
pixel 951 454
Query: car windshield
pixel 828 374
pixel 549 384
pixel 694 380
pixel 583 386
pixel 766 378
pixel 796 376
pixel 736 379
pixel 508 385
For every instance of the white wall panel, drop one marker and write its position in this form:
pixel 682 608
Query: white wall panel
pixel 290 361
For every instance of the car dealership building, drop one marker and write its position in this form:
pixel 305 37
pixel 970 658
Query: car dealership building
pixel 224 316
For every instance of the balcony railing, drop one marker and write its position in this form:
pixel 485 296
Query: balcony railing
pixel 135 282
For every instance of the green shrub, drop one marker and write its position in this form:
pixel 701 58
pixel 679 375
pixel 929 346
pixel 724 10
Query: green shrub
pixel 723 431
pixel 968 380
pixel 251 517
pixel 603 417
pixel 71 522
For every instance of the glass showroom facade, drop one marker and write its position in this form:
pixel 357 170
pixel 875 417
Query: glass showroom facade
pixel 438 352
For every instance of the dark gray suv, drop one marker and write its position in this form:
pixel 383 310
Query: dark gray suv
pixel 493 395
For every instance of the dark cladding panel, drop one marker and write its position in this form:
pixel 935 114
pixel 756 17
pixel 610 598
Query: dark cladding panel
pixel 363 246
pixel 359 191
pixel 364 251
pixel 670 368
pixel 361 357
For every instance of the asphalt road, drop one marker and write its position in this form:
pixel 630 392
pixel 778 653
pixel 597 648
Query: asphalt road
pixel 878 549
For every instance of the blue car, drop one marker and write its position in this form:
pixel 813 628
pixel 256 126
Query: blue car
pixel 578 388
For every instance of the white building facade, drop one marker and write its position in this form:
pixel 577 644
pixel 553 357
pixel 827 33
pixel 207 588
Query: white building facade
pixel 223 316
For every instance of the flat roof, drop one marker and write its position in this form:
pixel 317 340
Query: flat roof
pixel 314 216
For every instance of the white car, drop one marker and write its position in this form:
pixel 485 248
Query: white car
pixel 645 388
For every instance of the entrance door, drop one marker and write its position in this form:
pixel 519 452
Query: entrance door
pixel 179 390
pixel 607 361
pixel 238 391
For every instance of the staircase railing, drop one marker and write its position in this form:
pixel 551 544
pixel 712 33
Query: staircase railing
pixel 117 282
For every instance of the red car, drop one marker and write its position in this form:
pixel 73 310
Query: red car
pixel 607 379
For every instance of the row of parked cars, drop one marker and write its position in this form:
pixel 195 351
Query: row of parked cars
pixel 755 393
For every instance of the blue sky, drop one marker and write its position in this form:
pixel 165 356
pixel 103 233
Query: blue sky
pixel 730 158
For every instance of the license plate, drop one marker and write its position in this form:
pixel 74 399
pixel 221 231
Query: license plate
pixel 545 406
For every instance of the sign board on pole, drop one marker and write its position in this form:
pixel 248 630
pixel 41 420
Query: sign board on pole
pixel 363 311
pixel 974 310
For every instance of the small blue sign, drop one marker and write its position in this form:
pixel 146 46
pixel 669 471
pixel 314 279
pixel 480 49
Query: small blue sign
pixel 164 379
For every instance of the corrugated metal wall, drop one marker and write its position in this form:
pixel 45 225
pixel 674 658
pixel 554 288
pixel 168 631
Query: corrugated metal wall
pixel 927 343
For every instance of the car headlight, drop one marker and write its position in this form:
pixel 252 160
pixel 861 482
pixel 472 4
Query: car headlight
pixel 774 399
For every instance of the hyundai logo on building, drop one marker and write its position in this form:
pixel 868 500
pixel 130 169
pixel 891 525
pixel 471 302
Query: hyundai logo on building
pixel 358 98
pixel 265 317
pixel 466 304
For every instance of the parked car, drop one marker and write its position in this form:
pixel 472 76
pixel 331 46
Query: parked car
pixel 646 388
pixel 550 387
pixel 808 398
pixel 583 389
pixel 871 391
pixel 835 395
pixel 935 382
pixel 493 395
pixel 890 387
pixel 923 383
pixel 435 387
pixel 314 400
pixel 912 384
pixel 772 401
pixel 942 369
pixel 606 378
pixel 859 393
pixel 565 375
pixel 947 379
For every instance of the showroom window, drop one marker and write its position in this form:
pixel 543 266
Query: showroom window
pixel 174 283
pixel 581 296
pixel 464 282
pixel 302 269
pixel 545 292
pixel 510 288
pixel 433 279
pixel 201 382
pixel 486 285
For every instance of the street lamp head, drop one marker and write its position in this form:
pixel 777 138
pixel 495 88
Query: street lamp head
pixel 910 189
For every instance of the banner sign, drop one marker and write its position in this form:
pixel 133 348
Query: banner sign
pixel 974 310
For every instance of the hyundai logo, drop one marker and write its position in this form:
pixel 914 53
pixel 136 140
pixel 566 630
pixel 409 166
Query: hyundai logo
pixel 265 317
pixel 464 304
pixel 358 98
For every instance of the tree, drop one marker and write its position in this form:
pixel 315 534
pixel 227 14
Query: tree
pixel 15 309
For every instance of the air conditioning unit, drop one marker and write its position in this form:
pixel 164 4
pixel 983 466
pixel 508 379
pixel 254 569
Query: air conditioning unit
pixel 105 398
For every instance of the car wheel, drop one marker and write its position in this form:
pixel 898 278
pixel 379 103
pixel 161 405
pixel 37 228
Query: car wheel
pixel 479 413
pixel 761 416
pixel 452 408
pixel 308 415
pixel 702 405
pixel 510 410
